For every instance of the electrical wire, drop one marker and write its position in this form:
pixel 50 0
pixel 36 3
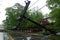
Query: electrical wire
pixel 33 3
pixel 42 7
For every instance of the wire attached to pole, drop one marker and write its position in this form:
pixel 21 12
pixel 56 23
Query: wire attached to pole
pixel 33 3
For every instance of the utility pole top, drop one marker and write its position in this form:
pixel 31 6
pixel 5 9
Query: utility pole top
pixel 27 1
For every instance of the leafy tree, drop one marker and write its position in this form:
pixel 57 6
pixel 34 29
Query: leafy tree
pixel 55 14
pixel 54 5
pixel 13 14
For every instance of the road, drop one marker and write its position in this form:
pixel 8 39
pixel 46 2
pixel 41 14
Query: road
pixel 5 36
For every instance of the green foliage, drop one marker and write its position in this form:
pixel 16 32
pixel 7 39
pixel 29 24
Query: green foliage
pixel 13 14
pixel 36 16
pixel 54 5
pixel 55 14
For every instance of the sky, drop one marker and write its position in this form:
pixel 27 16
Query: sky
pixel 9 3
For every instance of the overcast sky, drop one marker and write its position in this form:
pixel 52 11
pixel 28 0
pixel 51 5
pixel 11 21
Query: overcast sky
pixel 8 3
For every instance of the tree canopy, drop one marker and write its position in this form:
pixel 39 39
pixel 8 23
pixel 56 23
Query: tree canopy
pixel 13 14
pixel 54 5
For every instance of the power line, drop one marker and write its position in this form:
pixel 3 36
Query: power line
pixel 42 7
pixel 34 3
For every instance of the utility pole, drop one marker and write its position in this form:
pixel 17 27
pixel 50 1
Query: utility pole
pixel 19 19
pixel 27 18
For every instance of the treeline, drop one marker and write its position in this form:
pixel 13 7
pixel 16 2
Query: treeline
pixel 13 14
